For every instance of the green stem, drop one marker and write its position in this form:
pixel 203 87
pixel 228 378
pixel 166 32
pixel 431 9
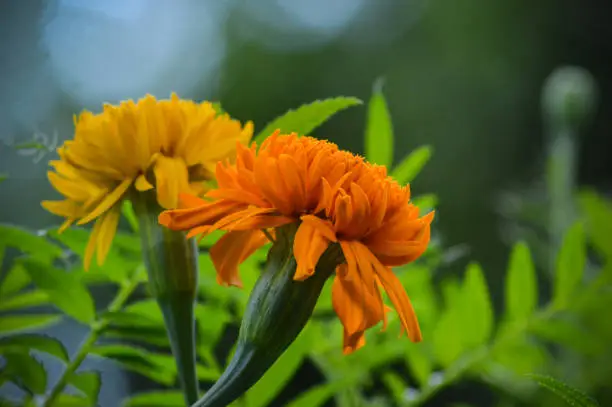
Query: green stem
pixel 97 327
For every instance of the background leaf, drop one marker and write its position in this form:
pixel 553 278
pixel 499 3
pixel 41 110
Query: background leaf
pixel 598 214
pixel 159 368
pixel 379 129
pixel 156 399
pixel 65 290
pixel 406 171
pixel 570 265
pixel 477 319
pixel 87 383
pixel 521 284
pixel 36 246
pixel 23 300
pixel 14 280
pixel 307 117
pixel 573 396
pixel 20 323
pixel 41 343
pixel 25 371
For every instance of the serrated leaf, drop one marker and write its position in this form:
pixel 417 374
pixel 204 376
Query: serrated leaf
pixel 27 322
pixel 24 300
pixel 521 284
pixel 306 118
pixel 379 129
pixel 570 265
pixel 598 214
pixel 406 171
pixel 571 395
pixel 168 398
pixel 87 383
pixel 65 290
pixel 26 372
pixel 273 381
pixel 159 368
pixel 36 246
pixel 477 318
pixel 42 343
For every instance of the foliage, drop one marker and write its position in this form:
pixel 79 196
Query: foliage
pixel 464 337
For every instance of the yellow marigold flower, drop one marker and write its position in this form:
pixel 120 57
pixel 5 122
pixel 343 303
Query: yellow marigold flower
pixel 170 145
pixel 337 198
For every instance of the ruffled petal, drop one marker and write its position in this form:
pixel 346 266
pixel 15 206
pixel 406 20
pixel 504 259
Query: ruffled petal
pixel 308 246
pixel 231 250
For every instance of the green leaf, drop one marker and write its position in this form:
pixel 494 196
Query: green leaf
pixel 521 355
pixel 570 265
pixel 406 171
pixel 87 383
pixel 571 395
pixel 3 176
pixel 521 284
pixel 281 372
pixel 307 117
pixel 396 385
pixel 168 398
pixel 318 395
pixel 570 335
pixel 128 213
pixel 65 290
pixel 28 299
pixel 598 214
pixel 27 322
pixel 25 371
pixel 70 400
pixel 379 129
pixel 117 264
pixel 159 368
pixel 36 246
pixel 15 280
pixel 419 363
pixel 42 343
pixel 217 108
pixel 425 202
pixel 211 322
pixel 477 318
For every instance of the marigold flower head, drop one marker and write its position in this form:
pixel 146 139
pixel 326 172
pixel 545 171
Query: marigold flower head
pixel 337 198
pixel 170 145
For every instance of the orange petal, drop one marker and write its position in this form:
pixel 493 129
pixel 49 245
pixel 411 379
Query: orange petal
pixel 323 226
pixel 308 246
pixel 231 250
pixel 400 301
pixel 203 215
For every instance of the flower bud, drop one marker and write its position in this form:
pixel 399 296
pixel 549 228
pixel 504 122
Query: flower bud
pixel 279 307
pixel 171 262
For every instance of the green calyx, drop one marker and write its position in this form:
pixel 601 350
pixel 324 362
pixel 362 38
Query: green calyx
pixel 171 262
pixel 278 310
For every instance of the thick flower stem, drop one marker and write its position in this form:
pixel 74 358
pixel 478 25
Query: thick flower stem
pixel 278 310
pixel 171 262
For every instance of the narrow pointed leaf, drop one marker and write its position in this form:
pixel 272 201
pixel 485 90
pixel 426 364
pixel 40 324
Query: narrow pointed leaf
pixel 319 395
pixel 42 343
pixel 570 265
pixel 425 202
pixel 160 368
pixel 20 323
pixel 24 300
pixel 406 171
pixel 307 117
pixel 71 400
pixel 128 213
pixel 477 318
pixel 65 290
pixel 379 129
pixel 571 395
pixel 598 214
pixel 14 281
pixel 521 284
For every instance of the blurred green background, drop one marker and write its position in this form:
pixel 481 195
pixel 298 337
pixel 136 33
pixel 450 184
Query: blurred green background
pixel 464 77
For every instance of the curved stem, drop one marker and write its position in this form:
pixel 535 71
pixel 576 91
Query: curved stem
pixel 97 327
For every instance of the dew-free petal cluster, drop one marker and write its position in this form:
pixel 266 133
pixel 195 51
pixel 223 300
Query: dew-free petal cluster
pixel 169 145
pixel 337 198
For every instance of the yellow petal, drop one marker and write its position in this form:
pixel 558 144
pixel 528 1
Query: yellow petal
pixel 108 202
pixel 171 178
pixel 109 220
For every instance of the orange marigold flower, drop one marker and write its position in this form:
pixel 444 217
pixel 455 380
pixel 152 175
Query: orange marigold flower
pixel 338 198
